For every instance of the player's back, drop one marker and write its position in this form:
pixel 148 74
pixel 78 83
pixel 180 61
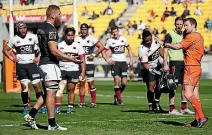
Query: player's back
pixel 194 53
pixel 46 33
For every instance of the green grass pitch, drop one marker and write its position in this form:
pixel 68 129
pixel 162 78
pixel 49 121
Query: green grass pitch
pixel 107 119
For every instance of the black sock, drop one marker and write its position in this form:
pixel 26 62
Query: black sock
pixel 157 94
pixel 52 122
pixel 33 112
pixel 38 94
pixel 122 88
pixel 150 96
pixel 25 97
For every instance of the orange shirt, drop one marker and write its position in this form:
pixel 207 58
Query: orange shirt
pixel 193 45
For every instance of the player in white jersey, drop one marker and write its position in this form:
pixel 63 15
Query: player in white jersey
pixel 149 53
pixel 117 45
pixel 26 56
pixel 70 71
pixel 89 43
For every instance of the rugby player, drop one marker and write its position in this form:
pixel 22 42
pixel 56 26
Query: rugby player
pixel 25 56
pixel 89 43
pixel 149 53
pixel 48 38
pixel 119 67
pixel 70 71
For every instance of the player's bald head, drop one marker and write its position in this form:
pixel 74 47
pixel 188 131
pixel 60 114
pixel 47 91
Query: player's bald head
pixel 52 10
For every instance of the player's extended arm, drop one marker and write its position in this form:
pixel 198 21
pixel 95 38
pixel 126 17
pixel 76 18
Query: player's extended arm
pixel 83 66
pixel 165 59
pixel 131 56
pixel 104 55
pixel 100 48
pixel 176 46
pixel 6 52
pixel 53 48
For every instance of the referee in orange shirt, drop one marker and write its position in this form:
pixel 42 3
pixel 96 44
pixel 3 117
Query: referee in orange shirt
pixel 193 46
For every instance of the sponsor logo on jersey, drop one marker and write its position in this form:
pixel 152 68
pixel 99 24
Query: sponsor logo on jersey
pixel 26 49
pixel 119 49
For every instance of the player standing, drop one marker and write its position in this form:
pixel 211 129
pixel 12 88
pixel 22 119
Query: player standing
pixel 176 66
pixel 89 43
pixel 193 46
pixel 70 71
pixel 26 56
pixel 119 67
pixel 48 37
pixel 149 53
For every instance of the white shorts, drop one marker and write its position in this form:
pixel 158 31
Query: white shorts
pixel 50 72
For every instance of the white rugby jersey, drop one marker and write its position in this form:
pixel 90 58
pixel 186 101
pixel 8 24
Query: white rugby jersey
pixel 88 43
pixel 25 48
pixel 73 50
pixel 117 47
pixel 150 55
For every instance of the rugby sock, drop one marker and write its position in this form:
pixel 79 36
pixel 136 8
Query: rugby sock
pixel 122 87
pixel 197 106
pixel 57 105
pixel 52 122
pixel 38 94
pixel 93 95
pixel 157 102
pixel 196 114
pixel 157 94
pixel 183 105
pixel 150 106
pixel 150 97
pixel 71 106
pixel 33 112
pixel 25 97
pixel 171 107
pixel 117 93
pixel 29 101
pixel 82 99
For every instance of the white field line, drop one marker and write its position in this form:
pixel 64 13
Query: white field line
pixel 139 97
pixel 113 120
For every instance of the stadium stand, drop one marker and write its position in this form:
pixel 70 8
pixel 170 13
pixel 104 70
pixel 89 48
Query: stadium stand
pixel 159 7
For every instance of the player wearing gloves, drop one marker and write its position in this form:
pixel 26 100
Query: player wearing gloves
pixel 149 53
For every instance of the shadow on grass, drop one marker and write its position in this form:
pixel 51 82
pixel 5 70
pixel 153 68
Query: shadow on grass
pixel 144 111
pixel 17 111
pixel 105 104
pixel 174 123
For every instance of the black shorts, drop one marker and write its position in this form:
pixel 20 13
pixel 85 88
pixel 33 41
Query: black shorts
pixel 27 71
pixel 177 68
pixel 148 76
pixel 90 68
pixel 70 76
pixel 119 69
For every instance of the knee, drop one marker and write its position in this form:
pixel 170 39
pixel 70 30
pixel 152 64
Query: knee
pixel 24 85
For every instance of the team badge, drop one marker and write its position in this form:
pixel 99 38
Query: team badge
pixel 52 35
pixel 74 47
pixel 88 41
pixel 30 39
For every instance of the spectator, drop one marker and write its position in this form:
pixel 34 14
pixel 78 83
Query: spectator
pixel 155 32
pixel 93 16
pixel 139 36
pixel 166 2
pixel 130 29
pixel 208 24
pixel 91 29
pixel 206 50
pixel 164 31
pixel 108 11
pixel 173 12
pixel 85 12
pixel 198 11
pixel 23 2
pixel 141 26
pixel 186 12
pixel 166 13
pixel 1 6
pixel 152 15
pixel 135 25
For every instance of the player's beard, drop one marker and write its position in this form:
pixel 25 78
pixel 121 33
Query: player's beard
pixel 69 42
pixel 57 22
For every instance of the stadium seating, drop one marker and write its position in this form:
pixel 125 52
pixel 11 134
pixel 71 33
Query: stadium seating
pixel 100 23
pixel 159 7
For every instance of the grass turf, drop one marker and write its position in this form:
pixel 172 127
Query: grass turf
pixel 107 119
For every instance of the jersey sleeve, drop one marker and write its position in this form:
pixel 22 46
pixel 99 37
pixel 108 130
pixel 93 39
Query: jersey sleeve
pixel 36 39
pixel 95 40
pixel 11 43
pixel 142 55
pixel 107 46
pixel 52 35
pixel 188 41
